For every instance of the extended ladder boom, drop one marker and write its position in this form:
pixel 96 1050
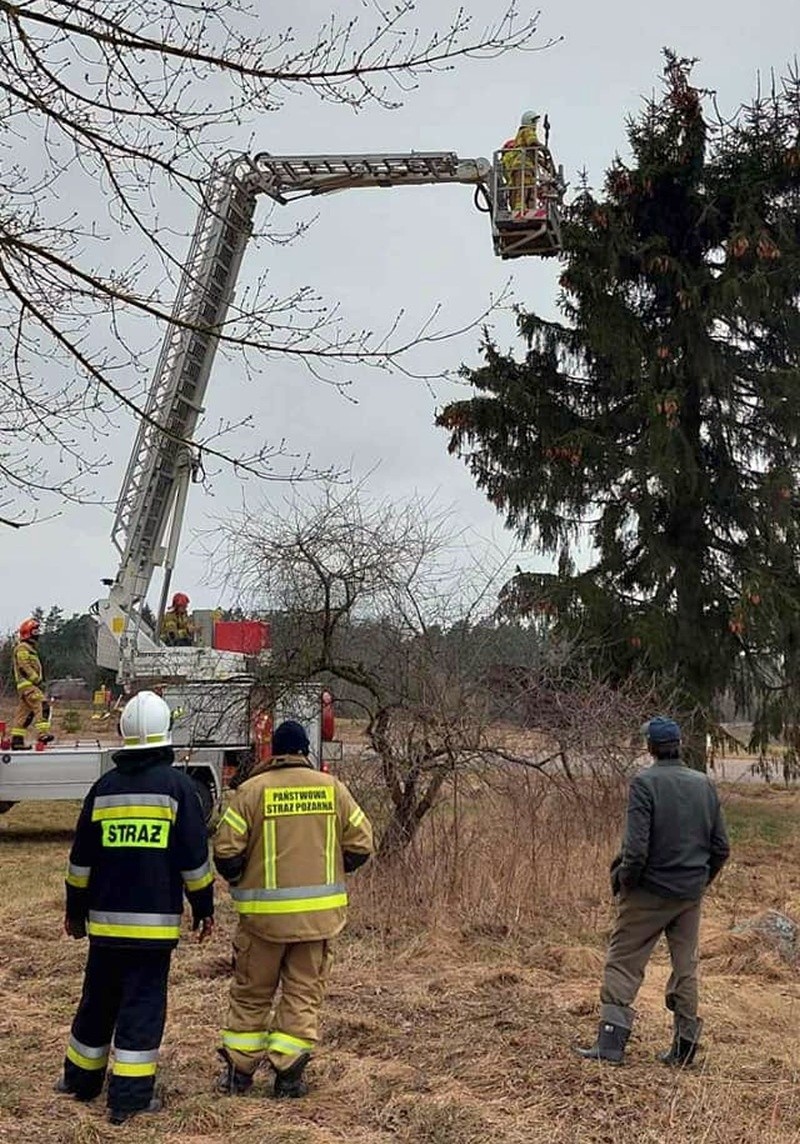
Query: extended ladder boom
pixel 161 466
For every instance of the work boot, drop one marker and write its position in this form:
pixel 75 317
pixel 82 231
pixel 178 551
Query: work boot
pixel 46 738
pixel 120 1117
pixel 289 1082
pixel 19 744
pixel 685 1041
pixel 609 1046
pixel 232 1081
pixel 63 1089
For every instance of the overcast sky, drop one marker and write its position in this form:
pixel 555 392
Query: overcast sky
pixel 412 249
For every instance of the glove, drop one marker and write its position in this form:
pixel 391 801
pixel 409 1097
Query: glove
pixel 616 882
pixel 75 927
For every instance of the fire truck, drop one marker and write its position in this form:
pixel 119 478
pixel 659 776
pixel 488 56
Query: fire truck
pixel 220 721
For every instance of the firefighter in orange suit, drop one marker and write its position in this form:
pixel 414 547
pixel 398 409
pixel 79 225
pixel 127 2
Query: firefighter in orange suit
pixel 32 706
pixel 284 844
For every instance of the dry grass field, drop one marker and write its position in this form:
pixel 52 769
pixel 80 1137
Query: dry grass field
pixel 461 985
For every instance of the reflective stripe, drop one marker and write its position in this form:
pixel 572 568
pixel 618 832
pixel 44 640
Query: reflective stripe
pixel 140 810
pixel 357 817
pixel 87 1057
pixel 330 851
pixel 24 684
pixel 290 899
pixel 136 800
pixel 270 846
pixel 119 1068
pixel 135 1056
pixel 78 876
pixel 131 1062
pixel 136 740
pixel 247 1042
pixel 198 879
pixel 287 893
pixel 134 806
pixel 157 927
pixel 283 1043
pixel 235 821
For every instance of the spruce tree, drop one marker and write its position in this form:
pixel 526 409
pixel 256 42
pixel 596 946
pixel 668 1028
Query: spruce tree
pixel 650 439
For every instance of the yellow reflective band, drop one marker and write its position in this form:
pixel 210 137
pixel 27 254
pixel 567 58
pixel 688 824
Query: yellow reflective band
pixel 24 684
pixel 246 1042
pixel 91 1064
pixel 80 882
pixel 330 852
pixel 200 883
pixel 136 740
pixel 292 905
pixel 357 817
pixel 235 821
pixel 138 832
pixel 284 1043
pixel 123 1068
pixel 99 813
pixel 282 801
pixel 157 933
pixel 270 868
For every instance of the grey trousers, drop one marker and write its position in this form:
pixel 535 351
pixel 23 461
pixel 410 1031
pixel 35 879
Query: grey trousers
pixel 642 917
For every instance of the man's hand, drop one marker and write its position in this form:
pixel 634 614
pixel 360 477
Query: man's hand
pixel 205 928
pixel 75 927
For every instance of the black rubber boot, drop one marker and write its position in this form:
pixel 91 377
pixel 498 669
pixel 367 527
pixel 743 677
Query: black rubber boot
pixel 19 744
pixel 63 1089
pixel 232 1081
pixel 682 1051
pixel 609 1046
pixel 289 1082
pixel 119 1117
pixel 46 738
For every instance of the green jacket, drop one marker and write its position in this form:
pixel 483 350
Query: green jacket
pixel 675 840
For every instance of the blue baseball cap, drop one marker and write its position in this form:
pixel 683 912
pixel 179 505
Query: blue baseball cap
pixel 662 730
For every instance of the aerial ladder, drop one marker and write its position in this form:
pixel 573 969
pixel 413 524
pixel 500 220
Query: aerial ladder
pixel 164 461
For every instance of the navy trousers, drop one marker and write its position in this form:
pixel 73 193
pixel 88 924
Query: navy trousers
pixel 123 1006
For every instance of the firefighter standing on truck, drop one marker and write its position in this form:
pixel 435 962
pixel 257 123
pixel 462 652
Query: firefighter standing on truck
pixel 141 841
pixel 32 705
pixel 285 843
pixel 177 627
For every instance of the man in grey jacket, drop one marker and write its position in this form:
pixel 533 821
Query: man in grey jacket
pixel 675 844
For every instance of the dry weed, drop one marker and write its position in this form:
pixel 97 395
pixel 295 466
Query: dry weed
pixel 469 971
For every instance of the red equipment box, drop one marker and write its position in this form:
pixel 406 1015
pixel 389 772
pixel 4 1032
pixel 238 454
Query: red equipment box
pixel 247 636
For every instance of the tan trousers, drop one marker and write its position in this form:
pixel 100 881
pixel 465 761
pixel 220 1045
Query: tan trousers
pixel 297 972
pixel 30 709
pixel 641 919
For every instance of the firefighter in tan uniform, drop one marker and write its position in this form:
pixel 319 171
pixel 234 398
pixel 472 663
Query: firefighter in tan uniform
pixel 32 705
pixel 284 844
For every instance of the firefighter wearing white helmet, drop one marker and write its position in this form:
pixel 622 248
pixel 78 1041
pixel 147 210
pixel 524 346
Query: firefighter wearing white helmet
pixel 140 844
pixel 519 163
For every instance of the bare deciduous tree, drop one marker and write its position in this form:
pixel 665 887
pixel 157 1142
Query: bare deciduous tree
pixel 370 596
pixel 106 107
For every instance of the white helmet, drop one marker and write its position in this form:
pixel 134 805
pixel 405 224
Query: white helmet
pixel 529 119
pixel 145 722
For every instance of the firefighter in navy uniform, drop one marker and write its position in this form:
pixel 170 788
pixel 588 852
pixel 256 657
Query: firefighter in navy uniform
pixel 141 841
pixel 285 844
